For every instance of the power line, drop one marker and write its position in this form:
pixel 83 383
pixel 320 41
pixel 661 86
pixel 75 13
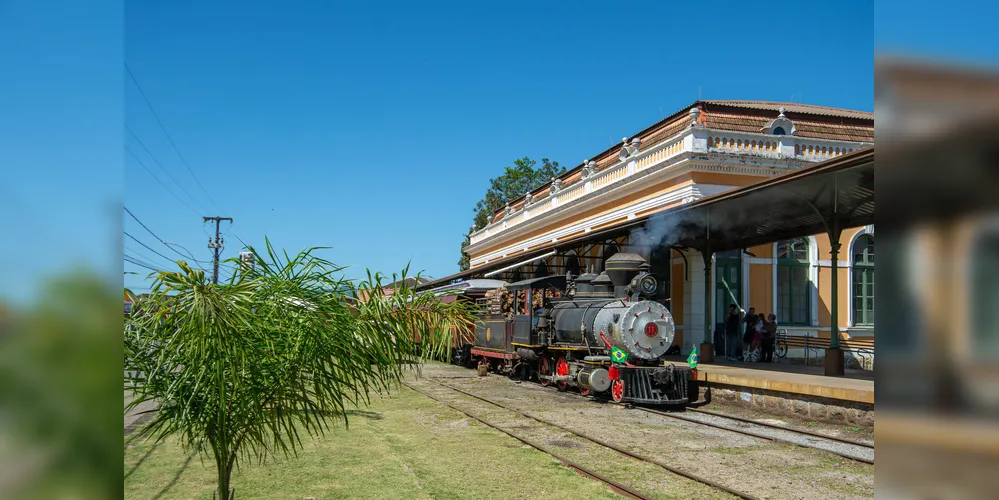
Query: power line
pixel 151 155
pixel 186 205
pixel 148 247
pixel 137 254
pixel 140 264
pixel 150 231
pixel 175 148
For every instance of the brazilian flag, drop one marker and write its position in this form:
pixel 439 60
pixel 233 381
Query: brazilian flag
pixel 692 359
pixel 618 355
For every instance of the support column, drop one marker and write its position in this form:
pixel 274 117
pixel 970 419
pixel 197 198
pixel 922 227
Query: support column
pixel 706 352
pixel 834 362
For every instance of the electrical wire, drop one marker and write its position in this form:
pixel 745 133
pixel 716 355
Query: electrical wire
pixel 141 264
pixel 148 247
pixel 150 172
pixel 167 134
pixel 150 231
pixel 151 155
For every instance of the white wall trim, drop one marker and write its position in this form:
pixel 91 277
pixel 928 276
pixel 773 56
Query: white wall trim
pixel 773 263
pixel 745 279
pixel 757 260
pixel 849 272
pixel 843 264
pixel 813 281
pixel 697 190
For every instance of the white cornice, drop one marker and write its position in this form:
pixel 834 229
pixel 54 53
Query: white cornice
pixel 694 191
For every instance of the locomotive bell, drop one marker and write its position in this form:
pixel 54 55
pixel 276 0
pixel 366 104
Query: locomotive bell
pixel 603 286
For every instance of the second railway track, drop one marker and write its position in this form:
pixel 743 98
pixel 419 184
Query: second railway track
pixel 628 491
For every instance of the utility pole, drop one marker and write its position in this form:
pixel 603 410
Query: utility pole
pixel 217 246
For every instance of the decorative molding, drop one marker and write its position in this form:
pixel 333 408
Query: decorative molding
pixel 589 169
pixel 696 190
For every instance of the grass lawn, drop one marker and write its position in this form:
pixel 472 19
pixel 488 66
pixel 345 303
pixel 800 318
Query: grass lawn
pixel 404 446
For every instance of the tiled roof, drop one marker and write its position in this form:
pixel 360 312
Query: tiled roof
pixel 794 107
pixel 727 120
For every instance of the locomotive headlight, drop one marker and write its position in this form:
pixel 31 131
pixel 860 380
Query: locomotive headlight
pixel 649 285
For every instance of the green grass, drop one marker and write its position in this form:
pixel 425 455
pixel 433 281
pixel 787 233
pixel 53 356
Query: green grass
pixel 404 446
pixel 852 429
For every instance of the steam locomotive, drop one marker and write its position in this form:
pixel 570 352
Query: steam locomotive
pixel 598 333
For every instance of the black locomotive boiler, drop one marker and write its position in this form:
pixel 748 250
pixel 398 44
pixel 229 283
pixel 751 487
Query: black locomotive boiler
pixel 598 333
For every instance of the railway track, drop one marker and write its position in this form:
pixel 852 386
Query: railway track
pixel 846 448
pixel 616 486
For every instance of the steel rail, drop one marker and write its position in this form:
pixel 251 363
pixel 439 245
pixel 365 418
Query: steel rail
pixel 754 434
pixel 616 486
pixel 605 444
pixel 799 431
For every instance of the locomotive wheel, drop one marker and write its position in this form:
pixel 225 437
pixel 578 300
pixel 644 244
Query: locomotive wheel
pixel 562 369
pixel 545 368
pixel 617 390
pixel 584 391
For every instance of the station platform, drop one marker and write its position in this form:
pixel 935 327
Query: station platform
pixel 857 386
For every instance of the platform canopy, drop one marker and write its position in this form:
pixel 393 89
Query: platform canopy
pixel 823 198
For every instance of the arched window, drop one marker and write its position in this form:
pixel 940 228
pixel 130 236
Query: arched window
pixel 778 131
pixel 661 265
pixel 572 264
pixel 863 281
pixel 793 287
pixel 985 293
pixel 609 252
pixel 728 282
pixel 541 270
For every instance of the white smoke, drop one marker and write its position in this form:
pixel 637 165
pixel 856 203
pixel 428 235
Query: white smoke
pixel 660 231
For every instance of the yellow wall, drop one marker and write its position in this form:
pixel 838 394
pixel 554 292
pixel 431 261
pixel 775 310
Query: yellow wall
pixel 761 283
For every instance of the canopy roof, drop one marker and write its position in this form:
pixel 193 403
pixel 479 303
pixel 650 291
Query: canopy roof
pixel 821 198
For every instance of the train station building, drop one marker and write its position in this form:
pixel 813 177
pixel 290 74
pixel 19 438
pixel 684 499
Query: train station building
pixel 654 195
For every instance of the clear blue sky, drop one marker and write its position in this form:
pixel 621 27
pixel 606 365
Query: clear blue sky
pixel 372 129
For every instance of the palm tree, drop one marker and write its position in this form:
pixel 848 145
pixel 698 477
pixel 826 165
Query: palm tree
pixel 240 370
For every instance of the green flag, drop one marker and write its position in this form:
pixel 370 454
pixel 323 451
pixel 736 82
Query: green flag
pixel 618 355
pixel 692 359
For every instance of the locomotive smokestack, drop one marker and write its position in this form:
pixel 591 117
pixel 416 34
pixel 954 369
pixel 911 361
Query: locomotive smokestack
pixel 622 267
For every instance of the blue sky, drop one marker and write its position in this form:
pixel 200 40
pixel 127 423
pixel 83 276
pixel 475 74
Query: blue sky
pixel 371 128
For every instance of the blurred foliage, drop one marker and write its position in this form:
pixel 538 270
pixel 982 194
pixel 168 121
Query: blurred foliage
pixel 239 369
pixel 59 433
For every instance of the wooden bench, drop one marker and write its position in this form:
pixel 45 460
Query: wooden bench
pixel 862 347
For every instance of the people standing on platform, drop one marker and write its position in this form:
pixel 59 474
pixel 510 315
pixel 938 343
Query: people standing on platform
pixel 754 348
pixel 769 338
pixel 732 320
pixel 749 332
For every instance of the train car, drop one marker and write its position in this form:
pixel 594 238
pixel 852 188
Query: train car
pixel 598 333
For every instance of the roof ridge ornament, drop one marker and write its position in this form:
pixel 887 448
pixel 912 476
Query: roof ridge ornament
pixel 556 185
pixel 589 169
pixel 695 114
pixel 629 150
pixel 780 125
pixel 528 198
